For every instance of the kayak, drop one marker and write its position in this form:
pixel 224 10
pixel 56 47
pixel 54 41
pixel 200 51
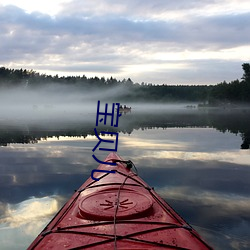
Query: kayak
pixel 116 209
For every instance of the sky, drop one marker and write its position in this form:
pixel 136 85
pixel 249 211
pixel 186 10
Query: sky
pixel 153 41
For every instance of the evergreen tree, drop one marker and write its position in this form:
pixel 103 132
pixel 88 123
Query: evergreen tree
pixel 246 69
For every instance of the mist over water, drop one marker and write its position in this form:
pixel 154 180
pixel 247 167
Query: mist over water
pixel 61 102
pixel 44 103
pixel 59 107
pixel 191 156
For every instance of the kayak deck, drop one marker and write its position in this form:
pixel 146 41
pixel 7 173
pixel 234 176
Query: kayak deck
pixel 120 211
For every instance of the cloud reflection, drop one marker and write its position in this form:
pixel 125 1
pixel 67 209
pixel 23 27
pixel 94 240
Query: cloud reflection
pixel 185 144
pixel 228 203
pixel 22 222
pixel 224 156
pixel 225 215
pixel 28 212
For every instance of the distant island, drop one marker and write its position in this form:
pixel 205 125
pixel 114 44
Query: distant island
pixel 236 92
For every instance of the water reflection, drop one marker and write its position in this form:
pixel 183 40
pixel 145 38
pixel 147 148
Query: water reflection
pixel 29 210
pixel 193 161
pixel 234 121
pixel 19 222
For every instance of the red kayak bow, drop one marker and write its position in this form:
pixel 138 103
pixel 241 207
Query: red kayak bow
pixel 120 211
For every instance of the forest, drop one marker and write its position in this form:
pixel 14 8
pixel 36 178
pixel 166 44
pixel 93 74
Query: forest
pixel 224 93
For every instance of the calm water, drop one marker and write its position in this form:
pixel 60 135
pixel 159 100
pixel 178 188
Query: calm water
pixel 193 158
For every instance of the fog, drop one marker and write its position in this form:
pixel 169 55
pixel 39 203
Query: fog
pixel 61 102
pixel 50 103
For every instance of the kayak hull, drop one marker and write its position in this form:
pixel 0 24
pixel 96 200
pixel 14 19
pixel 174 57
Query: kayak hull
pixel 119 211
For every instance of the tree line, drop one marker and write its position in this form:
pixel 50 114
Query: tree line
pixel 236 91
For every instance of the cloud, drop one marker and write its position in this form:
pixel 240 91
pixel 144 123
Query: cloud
pixel 98 39
pixel 117 30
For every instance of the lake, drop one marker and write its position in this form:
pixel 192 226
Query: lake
pixel 198 160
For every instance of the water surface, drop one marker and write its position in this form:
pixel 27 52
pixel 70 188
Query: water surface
pixel 193 158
